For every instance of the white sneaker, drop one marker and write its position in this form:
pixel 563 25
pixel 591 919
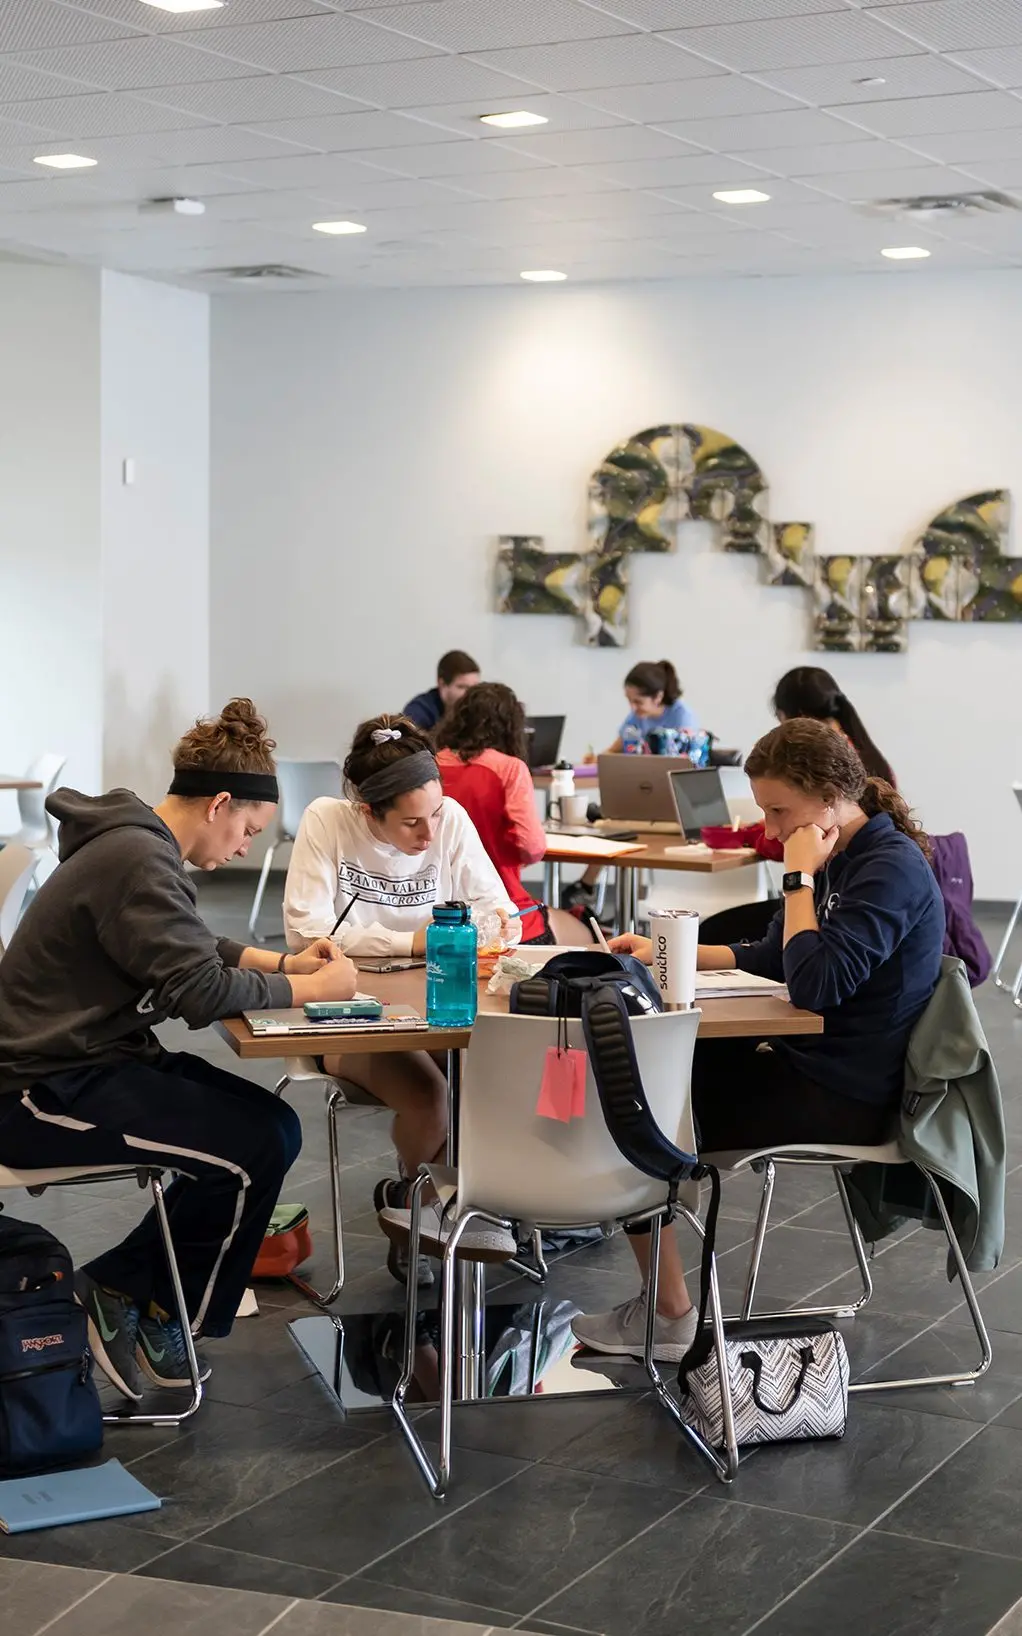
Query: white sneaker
pixel 479 1242
pixel 622 1332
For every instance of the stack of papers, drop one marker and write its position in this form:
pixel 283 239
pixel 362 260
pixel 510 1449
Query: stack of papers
pixel 583 846
pixel 736 985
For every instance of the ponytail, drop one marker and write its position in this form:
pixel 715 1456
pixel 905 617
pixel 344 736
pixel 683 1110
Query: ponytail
pixel 881 796
pixel 672 686
pixel 651 677
pixel 851 724
pixel 812 692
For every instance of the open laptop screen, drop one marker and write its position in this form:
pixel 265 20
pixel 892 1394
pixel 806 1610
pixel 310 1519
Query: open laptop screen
pixel 699 798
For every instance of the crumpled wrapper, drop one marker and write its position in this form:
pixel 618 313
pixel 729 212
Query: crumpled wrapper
pixel 511 969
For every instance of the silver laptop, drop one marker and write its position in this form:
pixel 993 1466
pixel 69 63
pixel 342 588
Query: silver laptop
pixel 700 801
pixel 637 788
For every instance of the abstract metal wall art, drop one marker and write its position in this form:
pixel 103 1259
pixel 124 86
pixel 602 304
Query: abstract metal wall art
pixel 644 490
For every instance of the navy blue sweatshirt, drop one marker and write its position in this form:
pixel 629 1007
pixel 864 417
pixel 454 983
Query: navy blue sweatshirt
pixel 870 969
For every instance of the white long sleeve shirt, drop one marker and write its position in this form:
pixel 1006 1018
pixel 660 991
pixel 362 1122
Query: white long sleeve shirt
pixel 336 857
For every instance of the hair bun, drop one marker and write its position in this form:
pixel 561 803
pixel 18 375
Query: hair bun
pixel 241 722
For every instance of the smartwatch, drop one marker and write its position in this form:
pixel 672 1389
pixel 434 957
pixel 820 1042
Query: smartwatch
pixel 795 880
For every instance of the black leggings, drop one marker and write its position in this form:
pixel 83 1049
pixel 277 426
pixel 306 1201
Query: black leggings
pixel 747 1097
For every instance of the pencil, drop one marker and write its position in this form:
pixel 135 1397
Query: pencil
pixel 344 914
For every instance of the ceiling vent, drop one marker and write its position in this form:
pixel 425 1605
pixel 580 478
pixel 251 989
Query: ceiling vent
pixel 268 273
pixel 936 207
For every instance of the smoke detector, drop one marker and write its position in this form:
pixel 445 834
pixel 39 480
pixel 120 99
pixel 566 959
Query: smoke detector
pixel 173 207
pixel 270 273
pixel 941 207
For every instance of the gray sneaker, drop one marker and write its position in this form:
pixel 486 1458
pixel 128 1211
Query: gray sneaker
pixel 622 1332
pixel 480 1242
pixel 113 1331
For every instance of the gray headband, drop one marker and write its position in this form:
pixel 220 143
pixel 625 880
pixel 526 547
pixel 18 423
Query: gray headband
pixel 410 773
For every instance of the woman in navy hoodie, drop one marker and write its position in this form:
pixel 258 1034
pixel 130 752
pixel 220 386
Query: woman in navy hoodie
pixel 858 939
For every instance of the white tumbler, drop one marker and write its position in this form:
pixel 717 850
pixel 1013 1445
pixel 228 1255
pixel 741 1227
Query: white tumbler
pixel 675 935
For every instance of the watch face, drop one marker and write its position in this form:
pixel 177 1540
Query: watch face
pixel 794 881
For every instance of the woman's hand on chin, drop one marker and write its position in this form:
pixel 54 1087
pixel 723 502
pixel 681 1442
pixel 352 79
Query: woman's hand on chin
pixel 807 849
pixel 632 943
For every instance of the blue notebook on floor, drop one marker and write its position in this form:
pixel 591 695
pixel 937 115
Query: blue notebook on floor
pixel 82 1495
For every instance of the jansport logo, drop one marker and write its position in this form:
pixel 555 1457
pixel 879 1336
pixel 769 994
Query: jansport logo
pixel 39 1343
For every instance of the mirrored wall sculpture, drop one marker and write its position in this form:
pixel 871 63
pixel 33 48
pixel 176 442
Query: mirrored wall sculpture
pixel 789 555
pixel 531 580
pixel 647 487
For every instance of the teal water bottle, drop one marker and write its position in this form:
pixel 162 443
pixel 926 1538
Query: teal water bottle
pixel 451 976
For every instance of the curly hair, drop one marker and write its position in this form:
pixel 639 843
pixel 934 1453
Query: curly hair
pixel 812 758
pixel 489 717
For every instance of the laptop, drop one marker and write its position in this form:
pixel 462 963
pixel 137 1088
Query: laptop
pixel 543 736
pixel 637 788
pixel 700 801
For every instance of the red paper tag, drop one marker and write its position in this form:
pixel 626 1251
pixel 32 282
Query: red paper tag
pixel 562 1093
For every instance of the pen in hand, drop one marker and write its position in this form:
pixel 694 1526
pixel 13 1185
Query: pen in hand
pixel 345 912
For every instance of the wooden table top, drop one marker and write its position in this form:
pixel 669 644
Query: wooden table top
pixel 763 1017
pixel 655 855
pixel 9 781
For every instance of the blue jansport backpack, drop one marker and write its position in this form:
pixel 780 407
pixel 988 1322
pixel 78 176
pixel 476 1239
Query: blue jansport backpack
pixel 49 1407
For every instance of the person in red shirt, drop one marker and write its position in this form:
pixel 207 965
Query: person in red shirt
pixel 481 756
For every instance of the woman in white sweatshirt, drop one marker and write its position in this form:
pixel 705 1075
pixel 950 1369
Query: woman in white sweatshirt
pixel 396 846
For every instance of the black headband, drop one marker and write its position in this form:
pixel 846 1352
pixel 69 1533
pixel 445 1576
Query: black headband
pixel 409 773
pixel 210 781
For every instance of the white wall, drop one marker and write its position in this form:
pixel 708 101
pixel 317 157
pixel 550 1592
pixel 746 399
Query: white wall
pixel 368 449
pixel 154 391
pixel 50 666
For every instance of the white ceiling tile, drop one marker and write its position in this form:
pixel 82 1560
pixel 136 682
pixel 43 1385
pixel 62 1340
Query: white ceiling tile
pixel 168 22
pixel 955 25
pixel 664 14
pixel 635 59
pixel 622 206
pixel 964 147
pixel 813 160
pixel 1000 66
pixel 451 158
pixel 595 147
pixel 340 133
pixel 798 42
pixel 966 111
pixel 314 172
pixel 417 83
pixel 30 25
pixel 211 144
pixel 889 184
pixel 717 95
pixel 836 84
pixel 564 115
pixel 333 41
pixel 683 172
pixel 20 84
pixel 152 180
pixel 51 193
pixel 996 173
pixel 783 194
pixel 98 113
pixel 790 128
pixel 127 65
pixel 13 131
pixel 256 97
pixel 483 25
pixel 555 182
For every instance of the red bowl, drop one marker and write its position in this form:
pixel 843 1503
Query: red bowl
pixel 723 839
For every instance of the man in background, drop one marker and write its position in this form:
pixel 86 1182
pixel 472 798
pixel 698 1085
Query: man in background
pixel 455 674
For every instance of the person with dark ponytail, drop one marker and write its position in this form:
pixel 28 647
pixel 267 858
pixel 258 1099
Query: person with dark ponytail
pixel 111 945
pixel 809 691
pixel 858 939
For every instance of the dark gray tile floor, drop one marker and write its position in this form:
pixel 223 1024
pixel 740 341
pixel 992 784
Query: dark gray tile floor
pixel 573 1515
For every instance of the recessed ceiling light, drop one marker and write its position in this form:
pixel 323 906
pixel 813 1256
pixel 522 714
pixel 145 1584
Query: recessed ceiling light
pixel 338 227
pixel 544 275
pixel 185 5
pixel 65 161
pixel 514 120
pixel 742 195
pixel 905 252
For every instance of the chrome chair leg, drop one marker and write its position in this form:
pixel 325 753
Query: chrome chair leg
pixel 960 1377
pixel 335 1100
pixel 759 1237
pixel 1005 942
pixel 257 901
pixel 538 1272
pixel 847 1309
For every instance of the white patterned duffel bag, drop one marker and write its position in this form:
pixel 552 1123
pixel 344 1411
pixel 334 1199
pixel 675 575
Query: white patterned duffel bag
pixel 789 1379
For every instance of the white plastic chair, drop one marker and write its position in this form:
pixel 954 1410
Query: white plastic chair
pixel 300 782
pixel 836 1155
pixel 18 864
pixel 299 1071
pixel 1015 988
pixel 37 1181
pixel 515 1166
pixel 37 830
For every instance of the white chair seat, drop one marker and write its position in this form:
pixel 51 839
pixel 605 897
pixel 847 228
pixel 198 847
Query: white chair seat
pixel 887 1153
pixel 64 1173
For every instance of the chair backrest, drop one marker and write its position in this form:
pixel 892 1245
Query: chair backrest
pixel 17 866
pixel 515 1162
pixel 35 821
pixel 301 782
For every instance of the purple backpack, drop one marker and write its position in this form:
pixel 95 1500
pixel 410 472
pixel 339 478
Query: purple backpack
pixel 962 936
